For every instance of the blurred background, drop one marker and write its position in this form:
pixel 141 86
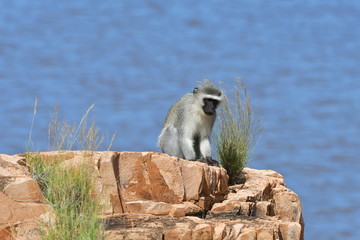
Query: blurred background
pixel 300 61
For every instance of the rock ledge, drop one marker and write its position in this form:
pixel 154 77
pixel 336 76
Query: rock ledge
pixel 150 195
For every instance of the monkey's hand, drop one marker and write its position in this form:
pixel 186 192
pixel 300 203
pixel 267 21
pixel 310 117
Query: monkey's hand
pixel 212 162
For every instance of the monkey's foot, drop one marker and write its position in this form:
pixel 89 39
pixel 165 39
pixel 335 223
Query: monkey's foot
pixel 212 162
pixel 208 160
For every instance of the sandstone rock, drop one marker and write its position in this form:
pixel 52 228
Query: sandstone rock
pixel 149 195
pixel 22 205
pixel 6 233
pixel 291 231
pixel 20 219
pixel 134 233
pixel 235 231
pixel 265 234
pixel 141 178
pixel 12 211
pixel 287 204
pixel 177 210
pixel 262 209
pixel 236 207
pixel 256 209
pixel 247 194
pixel 248 234
pixel 179 232
pixel 226 206
pixel 186 208
pixel 16 181
pixel 24 190
pixel 219 231
pixel 265 203
pixel 107 184
pixel 162 178
pixel 171 173
pixel 135 176
pixel 195 220
pixel 149 207
pixel 203 232
pixel 262 181
pixel 10 167
pixel 193 178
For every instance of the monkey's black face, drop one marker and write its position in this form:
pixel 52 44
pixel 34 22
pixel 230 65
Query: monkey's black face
pixel 210 106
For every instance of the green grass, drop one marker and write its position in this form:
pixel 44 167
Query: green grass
pixel 237 132
pixel 69 190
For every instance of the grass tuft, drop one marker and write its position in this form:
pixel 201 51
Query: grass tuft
pixel 237 132
pixel 69 190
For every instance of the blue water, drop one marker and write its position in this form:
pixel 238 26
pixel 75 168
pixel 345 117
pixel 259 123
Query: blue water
pixel 132 59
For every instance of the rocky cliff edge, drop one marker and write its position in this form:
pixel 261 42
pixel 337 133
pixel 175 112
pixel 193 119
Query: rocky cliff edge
pixel 150 195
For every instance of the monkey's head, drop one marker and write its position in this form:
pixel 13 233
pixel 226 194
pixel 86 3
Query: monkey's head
pixel 209 97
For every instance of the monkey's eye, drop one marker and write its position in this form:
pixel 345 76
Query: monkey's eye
pixel 195 90
pixel 212 101
pixel 215 102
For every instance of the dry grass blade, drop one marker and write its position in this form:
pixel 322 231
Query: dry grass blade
pixel 64 136
pixel 32 123
pixel 83 119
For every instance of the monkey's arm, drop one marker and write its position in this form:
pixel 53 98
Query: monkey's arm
pixel 187 148
pixel 205 148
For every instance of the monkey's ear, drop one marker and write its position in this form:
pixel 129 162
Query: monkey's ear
pixel 195 90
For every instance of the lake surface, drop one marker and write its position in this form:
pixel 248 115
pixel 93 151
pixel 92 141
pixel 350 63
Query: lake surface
pixel 300 61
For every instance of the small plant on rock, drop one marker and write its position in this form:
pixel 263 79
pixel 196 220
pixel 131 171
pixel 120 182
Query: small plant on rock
pixel 69 190
pixel 237 132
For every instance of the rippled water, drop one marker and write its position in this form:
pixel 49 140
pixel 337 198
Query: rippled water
pixel 132 59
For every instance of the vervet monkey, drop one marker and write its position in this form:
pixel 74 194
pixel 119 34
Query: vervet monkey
pixel 188 124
